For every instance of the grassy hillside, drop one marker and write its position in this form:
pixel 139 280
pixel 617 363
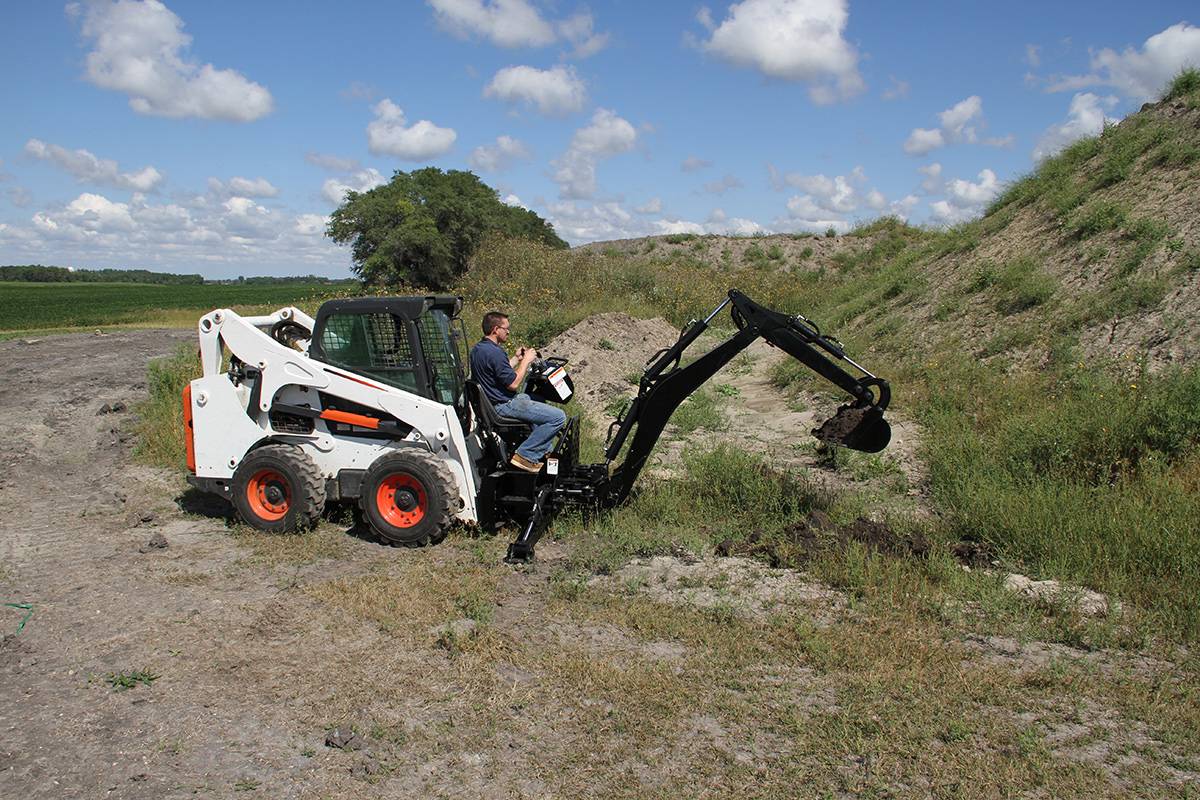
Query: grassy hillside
pixel 1048 348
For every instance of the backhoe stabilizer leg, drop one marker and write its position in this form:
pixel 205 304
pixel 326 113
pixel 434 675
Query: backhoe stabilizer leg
pixel 521 550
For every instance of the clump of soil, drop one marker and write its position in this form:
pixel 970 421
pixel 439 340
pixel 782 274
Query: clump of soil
pixel 605 352
pixel 817 534
pixel 974 554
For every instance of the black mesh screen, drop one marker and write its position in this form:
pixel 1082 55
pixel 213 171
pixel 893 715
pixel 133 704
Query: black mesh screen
pixel 372 344
pixel 441 353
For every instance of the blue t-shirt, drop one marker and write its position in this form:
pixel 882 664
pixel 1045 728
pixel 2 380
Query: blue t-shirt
pixel 490 368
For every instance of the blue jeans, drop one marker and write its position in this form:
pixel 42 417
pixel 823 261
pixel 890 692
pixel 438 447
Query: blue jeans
pixel 546 419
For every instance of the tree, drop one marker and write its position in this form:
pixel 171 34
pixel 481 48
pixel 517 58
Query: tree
pixel 422 227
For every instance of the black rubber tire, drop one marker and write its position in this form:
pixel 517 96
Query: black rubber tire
pixel 423 472
pixel 287 469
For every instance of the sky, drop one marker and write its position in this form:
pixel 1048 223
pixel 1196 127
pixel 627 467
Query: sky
pixel 216 137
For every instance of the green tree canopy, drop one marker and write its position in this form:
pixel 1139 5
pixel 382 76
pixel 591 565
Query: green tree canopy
pixel 423 226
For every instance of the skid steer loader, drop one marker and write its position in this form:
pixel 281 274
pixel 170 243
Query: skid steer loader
pixel 370 403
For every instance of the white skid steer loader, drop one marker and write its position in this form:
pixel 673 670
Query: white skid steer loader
pixel 370 403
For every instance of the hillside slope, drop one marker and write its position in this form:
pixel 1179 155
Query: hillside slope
pixel 1097 251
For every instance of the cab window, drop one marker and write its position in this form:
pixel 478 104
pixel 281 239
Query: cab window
pixel 374 344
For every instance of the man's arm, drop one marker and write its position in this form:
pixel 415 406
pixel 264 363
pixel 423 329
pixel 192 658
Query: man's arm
pixel 527 354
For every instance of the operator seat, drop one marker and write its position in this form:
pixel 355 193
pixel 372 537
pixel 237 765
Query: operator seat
pixel 509 432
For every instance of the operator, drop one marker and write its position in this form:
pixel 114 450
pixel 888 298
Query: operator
pixel 500 378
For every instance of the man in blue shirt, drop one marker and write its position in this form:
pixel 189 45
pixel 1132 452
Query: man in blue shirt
pixel 501 378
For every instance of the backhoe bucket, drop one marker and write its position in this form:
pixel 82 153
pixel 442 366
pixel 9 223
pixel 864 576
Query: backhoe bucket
pixel 862 429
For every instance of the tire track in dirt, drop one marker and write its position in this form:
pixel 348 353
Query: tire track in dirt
pixel 64 488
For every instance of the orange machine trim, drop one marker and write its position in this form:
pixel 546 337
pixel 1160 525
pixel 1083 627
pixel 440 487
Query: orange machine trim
pixel 348 418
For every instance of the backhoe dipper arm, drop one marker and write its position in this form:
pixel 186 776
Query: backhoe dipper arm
pixel 665 385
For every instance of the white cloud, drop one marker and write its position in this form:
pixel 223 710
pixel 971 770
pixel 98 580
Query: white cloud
pixel 87 168
pixel 837 195
pixel 139 48
pixel 514 201
pixel 832 201
pixel 898 90
pixel 1033 55
pixel 722 186
pixel 797 40
pixel 605 136
pixel 804 214
pixel 578 223
pixel 956 120
pixel 1085 117
pixel 665 227
pixel 243 187
pixel 718 222
pixel 388 134
pixel 923 140
pixel 330 162
pixel 739 226
pixel 966 199
pixel 553 92
pixel 965 193
pixel 499 156
pixel 932 183
pixel 962 122
pixel 507 23
pixel 94 230
pixel 516 23
pixel 694 163
pixel 334 189
pixel 578 30
pixel 652 206
pixel 311 224
pixel 1143 73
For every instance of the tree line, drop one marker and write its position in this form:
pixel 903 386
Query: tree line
pixel 37 273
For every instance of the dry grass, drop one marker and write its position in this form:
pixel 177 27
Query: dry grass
pixel 584 692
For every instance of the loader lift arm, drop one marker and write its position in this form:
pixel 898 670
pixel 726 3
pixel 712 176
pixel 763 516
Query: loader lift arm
pixel 665 385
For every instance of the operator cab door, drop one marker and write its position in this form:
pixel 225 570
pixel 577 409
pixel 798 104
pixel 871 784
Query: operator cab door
pixel 404 342
pixel 375 344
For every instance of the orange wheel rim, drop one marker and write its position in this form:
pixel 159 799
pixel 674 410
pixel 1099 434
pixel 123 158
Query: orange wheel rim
pixel 269 495
pixel 401 500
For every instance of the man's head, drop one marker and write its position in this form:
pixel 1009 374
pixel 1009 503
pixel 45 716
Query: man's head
pixel 495 326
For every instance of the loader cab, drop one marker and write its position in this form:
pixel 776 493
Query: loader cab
pixel 410 343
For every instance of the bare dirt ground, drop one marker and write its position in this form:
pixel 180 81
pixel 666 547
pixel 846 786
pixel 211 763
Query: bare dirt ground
pixel 324 665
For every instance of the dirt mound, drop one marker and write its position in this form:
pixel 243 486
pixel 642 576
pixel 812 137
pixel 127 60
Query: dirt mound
pixel 607 353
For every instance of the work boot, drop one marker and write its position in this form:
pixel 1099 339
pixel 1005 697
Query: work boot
pixel 521 462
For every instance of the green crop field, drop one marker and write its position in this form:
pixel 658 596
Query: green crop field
pixel 42 306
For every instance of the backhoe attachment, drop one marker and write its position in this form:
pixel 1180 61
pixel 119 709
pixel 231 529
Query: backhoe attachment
pixel 665 384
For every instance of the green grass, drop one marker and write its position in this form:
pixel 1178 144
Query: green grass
pixel 121 681
pixel 1081 475
pixel 35 306
pixel 1186 83
pixel 700 411
pixel 160 416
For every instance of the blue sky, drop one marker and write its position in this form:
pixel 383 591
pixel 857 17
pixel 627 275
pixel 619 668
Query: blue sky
pixel 216 137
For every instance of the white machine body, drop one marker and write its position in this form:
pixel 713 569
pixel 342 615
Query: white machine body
pixel 225 427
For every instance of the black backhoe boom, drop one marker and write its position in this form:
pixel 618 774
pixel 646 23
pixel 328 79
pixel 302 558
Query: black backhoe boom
pixel 665 385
